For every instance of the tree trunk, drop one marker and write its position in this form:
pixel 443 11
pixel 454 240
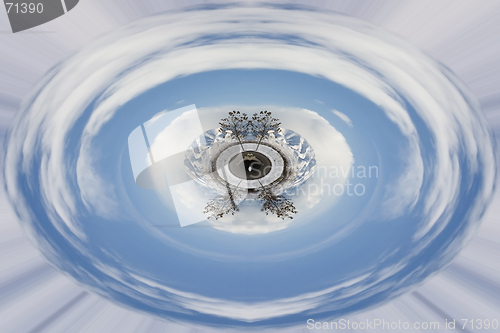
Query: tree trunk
pixel 258 144
pixel 241 144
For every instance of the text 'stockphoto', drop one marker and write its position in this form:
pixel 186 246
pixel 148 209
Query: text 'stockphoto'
pixel 250 166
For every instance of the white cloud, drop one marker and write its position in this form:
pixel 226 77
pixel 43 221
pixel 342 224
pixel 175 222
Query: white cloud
pixel 257 311
pixel 383 69
pixel 342 116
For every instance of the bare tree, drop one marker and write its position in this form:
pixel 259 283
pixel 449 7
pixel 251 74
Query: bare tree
pixel 239 127
pixel 262 123
pixel 237 124
pixel 276 204
pixel 222 205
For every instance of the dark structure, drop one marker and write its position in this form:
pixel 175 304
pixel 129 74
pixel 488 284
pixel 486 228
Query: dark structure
pixel 250 166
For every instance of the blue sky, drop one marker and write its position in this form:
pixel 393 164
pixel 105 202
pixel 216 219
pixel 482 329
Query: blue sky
pixel 409 116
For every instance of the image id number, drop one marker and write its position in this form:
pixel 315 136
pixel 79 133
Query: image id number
pixel 24 8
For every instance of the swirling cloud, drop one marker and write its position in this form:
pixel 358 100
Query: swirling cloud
pixel 68 177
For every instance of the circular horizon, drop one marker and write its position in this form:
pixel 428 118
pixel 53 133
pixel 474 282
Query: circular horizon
pixel 404 166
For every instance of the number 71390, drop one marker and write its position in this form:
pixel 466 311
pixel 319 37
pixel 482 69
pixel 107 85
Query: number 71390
pixel 23 8
pixel 480 323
